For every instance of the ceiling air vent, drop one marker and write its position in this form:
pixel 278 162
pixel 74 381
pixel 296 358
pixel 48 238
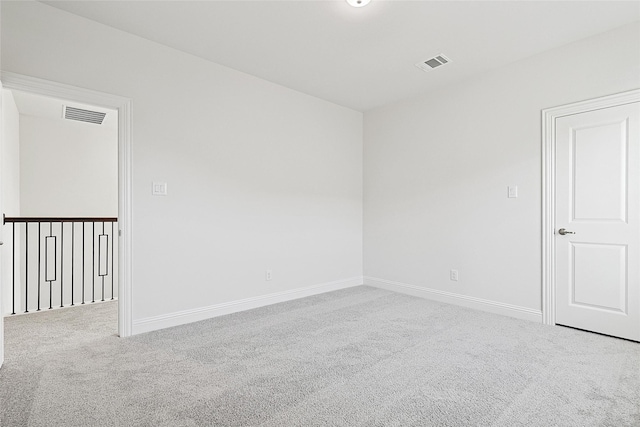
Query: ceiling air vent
pixel 71 113
pixel 433 63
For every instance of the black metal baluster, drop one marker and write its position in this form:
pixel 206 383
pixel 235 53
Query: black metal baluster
pixel 26 267
pixel 112 243
pixel 73 257
pixel 93 266
pixel 83 251
pixel 100 259
pixel 61 262
pixel 13 269
pixel 39 262
pixel 47 268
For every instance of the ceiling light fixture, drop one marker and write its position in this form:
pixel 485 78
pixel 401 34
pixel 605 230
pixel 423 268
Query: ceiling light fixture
pixel 358 3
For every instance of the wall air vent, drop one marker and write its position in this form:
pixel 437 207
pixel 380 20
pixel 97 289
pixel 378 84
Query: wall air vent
pixel 433 63
pixel 71 113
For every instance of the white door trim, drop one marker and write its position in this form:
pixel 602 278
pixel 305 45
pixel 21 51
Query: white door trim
pixel 123 105
pixel 549 117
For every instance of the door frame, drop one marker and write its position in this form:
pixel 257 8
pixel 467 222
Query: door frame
pixel 123 105
pixel 549 117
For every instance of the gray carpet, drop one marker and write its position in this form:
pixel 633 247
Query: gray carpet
pixel 356 357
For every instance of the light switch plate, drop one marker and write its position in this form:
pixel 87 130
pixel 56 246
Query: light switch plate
pixel 159 189
pixel 512 191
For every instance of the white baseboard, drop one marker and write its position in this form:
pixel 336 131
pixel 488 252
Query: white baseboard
pixel 197 314
pixel 457 299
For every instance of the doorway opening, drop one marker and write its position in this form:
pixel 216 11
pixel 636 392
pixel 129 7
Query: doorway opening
pixel 110 275
pixel 60 201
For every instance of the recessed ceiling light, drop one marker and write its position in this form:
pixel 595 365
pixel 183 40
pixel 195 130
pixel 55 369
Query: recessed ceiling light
pixel 358 3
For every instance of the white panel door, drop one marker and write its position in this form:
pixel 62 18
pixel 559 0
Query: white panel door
pixel 598 199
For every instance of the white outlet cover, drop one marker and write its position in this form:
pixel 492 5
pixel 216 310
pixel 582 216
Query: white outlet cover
pixel 159 189
pixel 512 191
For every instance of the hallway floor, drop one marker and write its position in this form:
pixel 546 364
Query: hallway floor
pixel 31 336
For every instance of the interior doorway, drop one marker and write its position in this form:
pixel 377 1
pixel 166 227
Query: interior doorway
pixel 60 201
pixel 121 240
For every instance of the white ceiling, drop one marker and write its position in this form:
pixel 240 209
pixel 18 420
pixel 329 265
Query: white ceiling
pixel 361 58
pixel 29 104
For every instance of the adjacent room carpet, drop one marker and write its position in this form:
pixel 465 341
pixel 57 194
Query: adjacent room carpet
pixel 356 357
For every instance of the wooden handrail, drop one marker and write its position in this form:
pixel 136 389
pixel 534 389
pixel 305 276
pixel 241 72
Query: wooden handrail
pixel 7 219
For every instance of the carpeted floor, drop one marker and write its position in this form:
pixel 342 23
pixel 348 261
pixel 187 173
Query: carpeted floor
pixel 356 357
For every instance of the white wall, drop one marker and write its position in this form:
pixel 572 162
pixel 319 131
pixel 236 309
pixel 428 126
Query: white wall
pixel 10 156
pixel 68 168
pixel 10 187
pixel 259 176
pixel 437 170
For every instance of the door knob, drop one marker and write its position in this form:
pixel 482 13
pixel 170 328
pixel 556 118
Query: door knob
pixel 562 232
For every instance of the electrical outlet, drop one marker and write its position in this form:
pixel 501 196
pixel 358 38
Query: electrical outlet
pixel 453 275
pixel 267 275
